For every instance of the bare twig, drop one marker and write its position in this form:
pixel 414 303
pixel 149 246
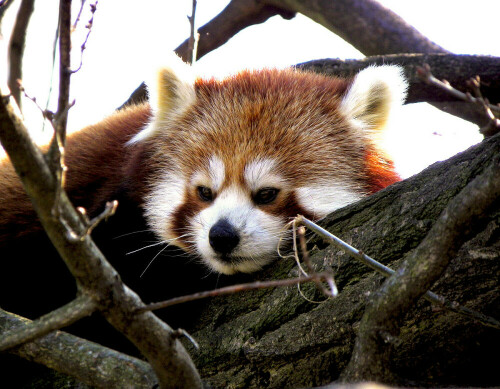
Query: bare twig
pixel 79 308
pixel 193 37
pixel 55 155
pixel 235 289
pixel 424 72
pixel 93 8
pixel 237 15
pixel 301 232
pixel 109 211
pixel 46 113
pixel 493 123
pixel 78 16
pixel 4 6
pixel 386 271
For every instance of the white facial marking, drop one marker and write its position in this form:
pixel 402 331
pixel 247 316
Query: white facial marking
pixel 213 178
pixel 258 231
pixel 262 173
pixel 320 200
pixel 216 172
pixel 165 197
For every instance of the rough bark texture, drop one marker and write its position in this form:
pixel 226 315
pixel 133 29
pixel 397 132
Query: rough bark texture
pixel 275 338
pixel 75 356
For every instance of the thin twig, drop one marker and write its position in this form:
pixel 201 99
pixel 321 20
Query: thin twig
pixel 493 126
pixel 193 36
pixel 82 4
pixel 386 271
pixel 234 289
pixel 79 308
pixel 46 113
pixel 333 292
pixel 93 8
pixel 109 211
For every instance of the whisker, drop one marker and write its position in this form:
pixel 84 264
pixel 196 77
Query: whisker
pixel 150 262
pixel 130 233
pixel 146 247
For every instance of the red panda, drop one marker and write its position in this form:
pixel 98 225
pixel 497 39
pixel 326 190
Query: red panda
pixel 218 167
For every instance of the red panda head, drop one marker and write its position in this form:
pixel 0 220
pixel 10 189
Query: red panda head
pixel 236 159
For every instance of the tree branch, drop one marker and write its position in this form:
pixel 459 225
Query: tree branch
pixel 370 358
pixel 16 48
pixel 238 15
pixel 366 24
pixel 88 362
pixel 318 277
pixel 94 275
pixel 79 308
pixel 455 68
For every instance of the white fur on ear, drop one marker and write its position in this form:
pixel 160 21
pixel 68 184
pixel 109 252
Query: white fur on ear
pixel 374 92
pixel 170 93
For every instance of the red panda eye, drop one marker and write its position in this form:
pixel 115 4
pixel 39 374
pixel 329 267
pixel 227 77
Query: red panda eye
pixel 265 196
pixel 204 193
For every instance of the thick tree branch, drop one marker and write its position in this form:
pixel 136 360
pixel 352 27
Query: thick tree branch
pixel 88 362
pixel 370 359
pixel 366 24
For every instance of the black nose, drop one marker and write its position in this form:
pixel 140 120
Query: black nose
pixel 223 237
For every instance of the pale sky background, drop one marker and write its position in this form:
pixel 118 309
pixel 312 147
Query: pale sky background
pixel 130 37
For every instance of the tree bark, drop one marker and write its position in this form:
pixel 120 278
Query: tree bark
pixel 94 364
pixel 278 339
pixel 365 24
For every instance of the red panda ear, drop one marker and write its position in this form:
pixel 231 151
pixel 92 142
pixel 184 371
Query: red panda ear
pixel 170 94
pixel 373 93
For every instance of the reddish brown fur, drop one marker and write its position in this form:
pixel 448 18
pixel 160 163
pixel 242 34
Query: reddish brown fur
pixel 99 164
pixel 229 116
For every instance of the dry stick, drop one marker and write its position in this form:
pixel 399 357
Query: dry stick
pixel 93 8
pixel 235 289
pixel 64 316
pixel 77 20
pixel 386 271
pixel 424 72
pixel 193 37
pixel 55 154
pixel 493 124
pixel 301 231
